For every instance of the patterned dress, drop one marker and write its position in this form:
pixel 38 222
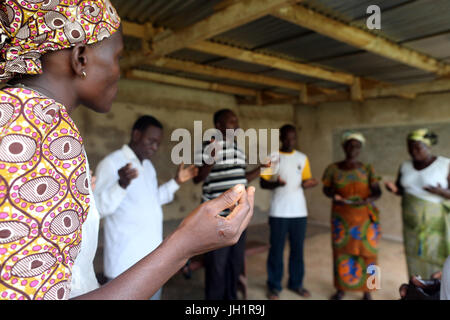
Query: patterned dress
pixel 43 196
pixel 426 217
pixel 355 228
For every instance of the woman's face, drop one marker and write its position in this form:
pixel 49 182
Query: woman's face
pixel 352 148
pixel 418 151
pixel 99 89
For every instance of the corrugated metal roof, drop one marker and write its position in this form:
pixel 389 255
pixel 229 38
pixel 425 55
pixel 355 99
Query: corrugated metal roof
pixel 260 33
pixel 366 64
pixel 239 65
pixel 310 47
pixel 173 14
pixel 194 56
pixel 351 10
pixel 422 25
pixel 288 75
pixel 414 20
pixel 437 46
pixel 408 79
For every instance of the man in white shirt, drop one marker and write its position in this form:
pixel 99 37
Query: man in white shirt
pixel 129 199
pixel 288 212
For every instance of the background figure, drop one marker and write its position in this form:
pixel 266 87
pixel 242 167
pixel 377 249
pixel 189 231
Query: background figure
pixel 288 212
pixel 46 81
pixel 423 183
pixel 445 281
pixel 129 198
pixel 353 187
pixel 223 266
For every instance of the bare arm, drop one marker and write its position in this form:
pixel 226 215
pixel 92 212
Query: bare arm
pixel 329 192
pixel 396 188
pixel 270 185
pixel 309 183
pixel 252 175
pixel 203 172
pixel 375 192
pixel 203 230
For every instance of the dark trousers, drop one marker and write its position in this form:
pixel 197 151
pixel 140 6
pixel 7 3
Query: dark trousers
pixel 222 270
pixel 279 229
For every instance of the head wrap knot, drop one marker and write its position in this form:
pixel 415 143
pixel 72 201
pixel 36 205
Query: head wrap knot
pixel 31 28
pixel 349 135
pixel 424 135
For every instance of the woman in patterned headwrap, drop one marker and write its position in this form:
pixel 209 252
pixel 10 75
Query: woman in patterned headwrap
pixel 54 56
pixel 353 187
pixel 423 183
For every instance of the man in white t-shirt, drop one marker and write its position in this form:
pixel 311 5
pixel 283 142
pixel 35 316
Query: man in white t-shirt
pixel 287 177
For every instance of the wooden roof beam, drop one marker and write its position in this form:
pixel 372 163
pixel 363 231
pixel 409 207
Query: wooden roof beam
pixel 192 67
pixel 273 62
pixel 233 14
pixel 408 91
pixel 199 84
pixel 359 38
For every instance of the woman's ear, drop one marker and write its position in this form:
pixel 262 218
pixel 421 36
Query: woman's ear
pixel 79 60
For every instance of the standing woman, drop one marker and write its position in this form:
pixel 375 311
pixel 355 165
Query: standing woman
pixel 423 183
pixel 54 56
pixel 353 187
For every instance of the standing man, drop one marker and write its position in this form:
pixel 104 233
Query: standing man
pixel 288 213
pixel 129 199
pixel 223 266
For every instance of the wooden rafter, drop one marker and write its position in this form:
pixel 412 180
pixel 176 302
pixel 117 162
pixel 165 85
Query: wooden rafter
pixel 274 62
pixel 142 31
pixel 231 16
pixel 192 67
pixel 407 91
pixel 199 84
pixel 236 14
pixel 359 38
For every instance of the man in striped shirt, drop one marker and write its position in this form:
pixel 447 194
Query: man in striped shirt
pixel 223 168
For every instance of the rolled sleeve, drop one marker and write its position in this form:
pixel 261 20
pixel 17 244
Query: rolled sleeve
pixel 167 191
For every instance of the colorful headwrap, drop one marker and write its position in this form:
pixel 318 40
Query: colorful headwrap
pixel 423 135
pixel 31 28
pixel 349 135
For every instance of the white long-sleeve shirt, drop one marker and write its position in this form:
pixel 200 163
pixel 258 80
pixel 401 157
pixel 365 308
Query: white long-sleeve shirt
pixel 133 217
pixel 83 274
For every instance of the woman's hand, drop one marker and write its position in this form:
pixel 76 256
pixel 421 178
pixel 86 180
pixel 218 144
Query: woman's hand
pixel 205 230
pixel 442 192
pixel 338 199
pixel 391 187
pixel 357 202
pixel 281 182
pixel 201 231
pixel 310 183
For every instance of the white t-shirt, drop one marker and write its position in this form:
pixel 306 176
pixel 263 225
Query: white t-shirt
pixel 289 201
pixel 413 181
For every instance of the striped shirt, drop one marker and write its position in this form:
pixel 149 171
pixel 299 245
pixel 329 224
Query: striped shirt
pixel 227 171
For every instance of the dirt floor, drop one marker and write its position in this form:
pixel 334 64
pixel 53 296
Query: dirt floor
pixel 318 270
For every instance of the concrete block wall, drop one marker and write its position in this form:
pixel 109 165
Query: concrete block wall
pixel 179 107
